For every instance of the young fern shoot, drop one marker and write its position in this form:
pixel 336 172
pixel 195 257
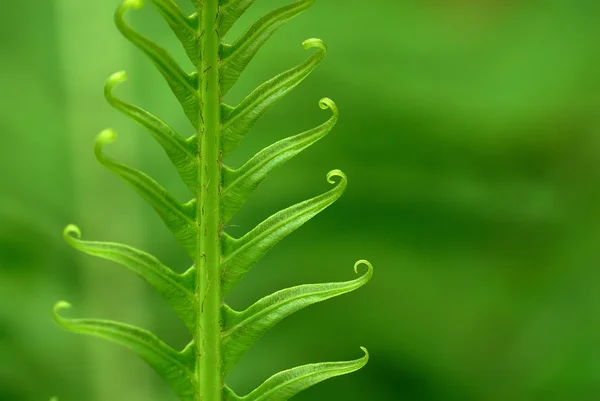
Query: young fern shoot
pixel 220 336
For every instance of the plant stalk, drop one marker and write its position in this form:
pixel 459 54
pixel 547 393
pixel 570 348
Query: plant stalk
pixel 208 253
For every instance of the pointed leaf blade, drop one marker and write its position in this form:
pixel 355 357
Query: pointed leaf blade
pixel 239 184
pixel 284 385
pixel 179 219
pixel 229 12
pixel 170 285
pixel 184 86
pixel 185 28
pixel 171 365
pixel 239 255
pixel 243 329
pixel 237 56
pixel 180 151
pixel 238 122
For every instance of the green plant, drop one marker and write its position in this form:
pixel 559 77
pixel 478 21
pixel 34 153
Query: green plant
pixel 220 335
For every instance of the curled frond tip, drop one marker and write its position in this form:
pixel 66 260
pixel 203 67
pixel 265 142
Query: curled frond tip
pixel 327 103
pixel 105 137
pixel 314 42
pixel 366 357
pixel 366 263
pixel 71 231
pixel 116 78
pixel 132 4
pixel 59 306
pixel 336 173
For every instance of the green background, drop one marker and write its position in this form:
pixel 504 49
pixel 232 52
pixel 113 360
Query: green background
pixel 470 133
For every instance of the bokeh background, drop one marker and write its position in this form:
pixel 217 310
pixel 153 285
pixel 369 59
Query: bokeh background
pixel 470 132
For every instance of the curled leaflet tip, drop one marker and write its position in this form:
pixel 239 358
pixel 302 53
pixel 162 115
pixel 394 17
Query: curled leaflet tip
pixel 327 103
pixel 116 78
pixel 314 42
pixel 336 173
pixel 133 4
pixel 71 231
pixel 366 357
pixel 366 263
pixel 112 81
pixel 106 136
pixel 59 306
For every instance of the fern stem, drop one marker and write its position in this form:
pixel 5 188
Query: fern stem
pixel 208 253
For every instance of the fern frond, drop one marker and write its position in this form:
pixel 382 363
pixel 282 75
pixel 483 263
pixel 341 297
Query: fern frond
pixel 229 12
pixel 176 289
pixel 240 120
pixel 235 57
pixel 240 255
pixel 220 336
pixel 186 28
pixel 179 218
pixel 183 86
pixel 284 385
pixel 173 366
pixel 242 329
pixel 181 152
pixel 239 184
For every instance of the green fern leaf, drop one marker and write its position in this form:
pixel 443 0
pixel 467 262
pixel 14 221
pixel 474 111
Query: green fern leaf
pixel 239 255
pixel 229 12
pixel 242 329
pixel 184 86
pixel 236 57
pixel 239 120
pixel 239 184
pixel 220 336
pixel 284 385
pixel 186 28
pixel 176 289
pixel 179 218
pixel 180 151
pixel 173 366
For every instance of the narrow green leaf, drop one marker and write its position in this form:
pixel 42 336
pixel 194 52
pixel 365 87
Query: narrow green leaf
pixel 185 28
pixel 174 367
pixel 179 218
pixel 176 289
pixel 237 56
pixel 183 85
pixel 239 255
pixel 242 118
pixel 284 385
pixel 243 329
pixel 229 12
pixel 180 151
pixel 240 183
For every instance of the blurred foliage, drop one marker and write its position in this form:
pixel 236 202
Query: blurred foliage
pixel 470 133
